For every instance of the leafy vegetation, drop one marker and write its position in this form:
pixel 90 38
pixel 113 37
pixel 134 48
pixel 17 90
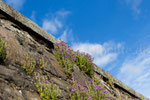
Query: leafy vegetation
pixel 29 65
pixel 97 78
pixel 90 91
pixel 85 63
pixel 110 81
pixel 3 51
pixel 141 98
pixel 67 58
pixel 42 62
pixel 46 90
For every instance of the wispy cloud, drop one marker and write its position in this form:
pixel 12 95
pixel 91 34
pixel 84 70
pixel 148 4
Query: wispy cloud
pixel 103 54
pixel 135 72
pixel 67 35
pixel 32 17
pixel 63 13
pixel 51 25
pixel 54 22
pixel 17 4
pixel 135 5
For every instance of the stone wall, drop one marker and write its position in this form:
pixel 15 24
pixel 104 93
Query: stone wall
pixel 24 36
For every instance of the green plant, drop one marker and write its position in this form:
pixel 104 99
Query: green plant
pixel 141 98
pixel 29 65
pixel 46 90
pixel 91 91
pixel 110 80
pixel 97 78
pixel 42 62
pixel 85 63
pixel 3 52
pixel 67 58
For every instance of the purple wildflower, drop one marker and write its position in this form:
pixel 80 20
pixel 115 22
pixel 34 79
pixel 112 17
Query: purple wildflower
pixel 104 91
pixel 79 84
pixel 89 97
pixel 88 90
pixel 84 88
pixel 74 90
pixel 108 97
pixel 98 87
pixel 101 88
pixel 41 82
pixel 71 86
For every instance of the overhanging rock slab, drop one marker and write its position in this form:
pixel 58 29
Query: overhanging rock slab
pixel 24 21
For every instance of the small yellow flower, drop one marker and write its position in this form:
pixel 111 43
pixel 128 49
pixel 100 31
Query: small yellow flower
pixel 42 94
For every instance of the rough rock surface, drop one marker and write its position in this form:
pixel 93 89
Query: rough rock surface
pixel 15 84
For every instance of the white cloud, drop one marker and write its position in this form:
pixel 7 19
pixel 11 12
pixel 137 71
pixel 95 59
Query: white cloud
pixel 67 35
pixel 49 26
pixel 105 59
pixel 64 36
pixel 134 4
pixel 103 54
pixel 55 23
pixel 17 4
pixel 135 72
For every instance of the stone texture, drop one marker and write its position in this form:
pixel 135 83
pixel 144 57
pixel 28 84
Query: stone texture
pixel 117 82
pixel 25 21
pixel 23 36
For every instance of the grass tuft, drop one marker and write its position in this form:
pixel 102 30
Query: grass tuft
pixel 3 51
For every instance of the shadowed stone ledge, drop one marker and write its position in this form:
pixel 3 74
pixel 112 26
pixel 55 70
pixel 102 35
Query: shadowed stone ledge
pixel 25 21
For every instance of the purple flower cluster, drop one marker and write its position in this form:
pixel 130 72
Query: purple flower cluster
pixel 91 91
pixel 29 64
pixel 64 51
pixel 67 57
pixel 41 79
pixel 46 89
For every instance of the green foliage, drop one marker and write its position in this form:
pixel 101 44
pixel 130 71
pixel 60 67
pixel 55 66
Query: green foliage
pixel 42 62
pixel 141 98
pixel 29 65
pixel 97 78
pixel 67 58
pixel 46 90
pixel 3 52
pixel 92 91
pixel 110 81
pixel 85 63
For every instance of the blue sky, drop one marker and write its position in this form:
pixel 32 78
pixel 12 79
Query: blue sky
pixel 115 32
